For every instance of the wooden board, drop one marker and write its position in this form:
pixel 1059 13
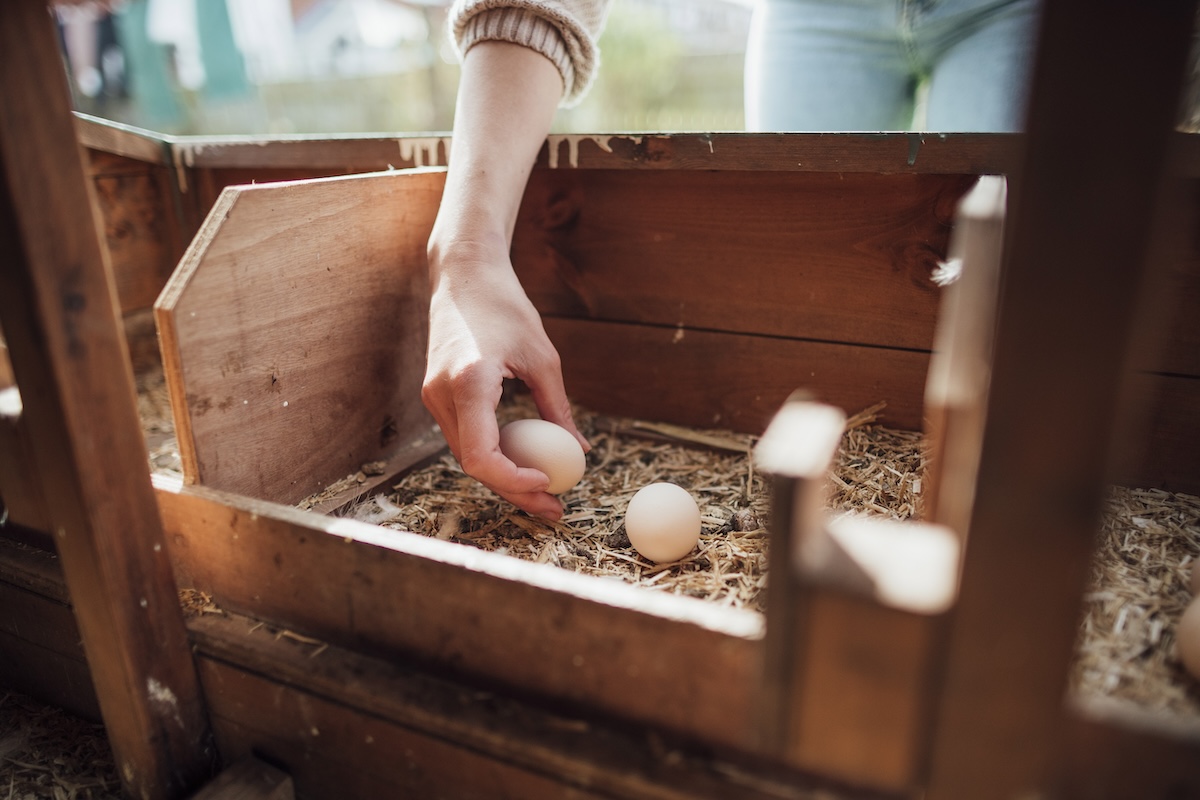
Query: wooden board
pixel 294 331
pixel 348 725
pixel 708 379
pixel 670 662
pixel 141 230
pixel 837 257
pixel 59 315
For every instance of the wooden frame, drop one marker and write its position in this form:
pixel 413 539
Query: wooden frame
pixel 409 619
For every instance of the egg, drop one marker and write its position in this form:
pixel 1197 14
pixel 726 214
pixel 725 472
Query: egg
pixel 662 522
pixel 546 447
pixel 1187 637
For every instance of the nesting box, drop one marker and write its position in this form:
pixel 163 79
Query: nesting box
pixel 692 280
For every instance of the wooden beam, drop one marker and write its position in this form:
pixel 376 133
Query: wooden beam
pixel 1080 213
pixel 59 314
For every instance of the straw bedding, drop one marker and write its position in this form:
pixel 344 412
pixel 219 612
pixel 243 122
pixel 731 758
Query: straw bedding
pixel 1146 546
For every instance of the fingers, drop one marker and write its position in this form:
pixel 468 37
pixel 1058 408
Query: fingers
pixel 468 422
pixel 550 397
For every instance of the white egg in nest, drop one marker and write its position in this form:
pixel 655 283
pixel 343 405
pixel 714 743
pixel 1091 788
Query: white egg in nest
pixel 663 522
pixel 546 447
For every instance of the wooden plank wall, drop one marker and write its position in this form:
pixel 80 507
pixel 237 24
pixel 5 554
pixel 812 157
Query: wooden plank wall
pixel 595 206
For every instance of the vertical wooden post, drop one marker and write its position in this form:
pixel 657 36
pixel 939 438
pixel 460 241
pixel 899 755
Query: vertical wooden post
pixel 1105 93
pixel 59 313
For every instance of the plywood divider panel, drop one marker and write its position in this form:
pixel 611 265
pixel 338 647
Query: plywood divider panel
pixel 294 330
pixel 709 379
pixel 840 257
pixel 671 662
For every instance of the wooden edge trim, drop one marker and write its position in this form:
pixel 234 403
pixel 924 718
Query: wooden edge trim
pixel 730 621
pixel 122 140
pixel 164 319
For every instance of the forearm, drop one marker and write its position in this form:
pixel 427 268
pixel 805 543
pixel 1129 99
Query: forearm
pixel 506 102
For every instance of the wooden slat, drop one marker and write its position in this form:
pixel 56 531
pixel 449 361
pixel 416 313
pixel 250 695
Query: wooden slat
pixel 707 379
pixel 960 369
pixel 59 315
pixel 841 257
pixel 387 729
pixel 585 642
pixel 1078 228
pixel 293 332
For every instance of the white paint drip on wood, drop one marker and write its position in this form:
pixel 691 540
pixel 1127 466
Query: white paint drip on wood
pixel 423 151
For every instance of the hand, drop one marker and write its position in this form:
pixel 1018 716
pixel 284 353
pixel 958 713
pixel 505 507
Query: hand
pixel 483 329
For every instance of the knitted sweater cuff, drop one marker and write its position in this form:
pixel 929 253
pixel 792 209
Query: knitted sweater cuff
pixel 573 56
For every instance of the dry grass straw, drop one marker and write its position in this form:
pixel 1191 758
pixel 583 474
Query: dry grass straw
pixel 46 753
pixel 1126 648
pixel 716 467
pixel 1147 544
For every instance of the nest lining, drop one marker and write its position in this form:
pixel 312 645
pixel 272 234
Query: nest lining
pixel 1126 649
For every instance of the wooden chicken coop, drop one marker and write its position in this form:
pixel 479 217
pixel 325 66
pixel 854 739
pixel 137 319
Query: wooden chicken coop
pixel 687 279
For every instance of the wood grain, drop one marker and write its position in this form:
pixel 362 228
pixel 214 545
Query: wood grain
pixel 299 313
pixel 59 315
pixel 336 714
pixel 707 379
pixel 674 663
pixel 840 257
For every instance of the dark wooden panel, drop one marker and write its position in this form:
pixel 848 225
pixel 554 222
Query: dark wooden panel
pixel 48 676
pixel 140 234
pixel 716 380
pixel 673 662
pixel 1162 449
pixel 842 257
pixel 1115 751
pixel 332 714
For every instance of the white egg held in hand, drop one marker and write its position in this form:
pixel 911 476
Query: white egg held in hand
pixel 546 447
pixel 663 522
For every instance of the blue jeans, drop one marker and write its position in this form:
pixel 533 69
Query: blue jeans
pixel 856 65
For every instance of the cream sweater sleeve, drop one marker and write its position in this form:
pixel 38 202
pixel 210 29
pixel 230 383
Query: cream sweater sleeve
pixel 564 31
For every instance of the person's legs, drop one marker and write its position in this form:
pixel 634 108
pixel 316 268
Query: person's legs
pixel 982 55
pixel 825 66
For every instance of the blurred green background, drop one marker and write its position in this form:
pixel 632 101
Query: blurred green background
pixel 371 66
